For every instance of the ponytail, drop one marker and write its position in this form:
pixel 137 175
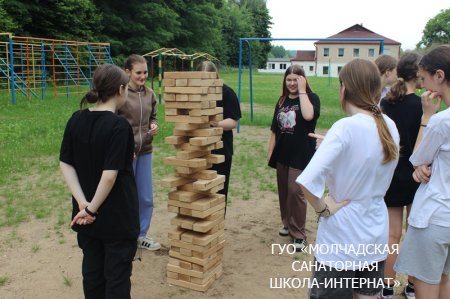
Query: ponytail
pixel 387 142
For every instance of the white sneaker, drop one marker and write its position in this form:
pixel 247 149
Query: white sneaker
pixel 148 243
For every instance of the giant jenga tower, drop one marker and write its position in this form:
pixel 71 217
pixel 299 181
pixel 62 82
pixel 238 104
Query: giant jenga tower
pixel 197 236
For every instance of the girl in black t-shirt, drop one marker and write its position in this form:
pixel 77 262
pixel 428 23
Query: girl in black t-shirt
pixel 290 149
pixel 96 163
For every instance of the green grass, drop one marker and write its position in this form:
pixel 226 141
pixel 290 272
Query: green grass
pixel 31 186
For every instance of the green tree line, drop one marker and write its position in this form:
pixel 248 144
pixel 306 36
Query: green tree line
pixel 139 26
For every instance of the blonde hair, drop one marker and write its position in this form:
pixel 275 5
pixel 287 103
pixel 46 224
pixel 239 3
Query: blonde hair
pixel 362 82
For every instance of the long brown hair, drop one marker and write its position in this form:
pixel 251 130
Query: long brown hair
pixel 362 83
pixel 106 83
pixel 293 69
pixel 407 69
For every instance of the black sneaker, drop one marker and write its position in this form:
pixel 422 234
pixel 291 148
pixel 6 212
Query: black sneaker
pixel 299 244
pixel 283 232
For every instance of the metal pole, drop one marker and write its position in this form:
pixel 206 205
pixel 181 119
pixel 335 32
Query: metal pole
pixel 239 78
pixel 11 67
pixel 250 66
pixel 159 76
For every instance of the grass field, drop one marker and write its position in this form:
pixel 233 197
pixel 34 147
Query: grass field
pixel 31 131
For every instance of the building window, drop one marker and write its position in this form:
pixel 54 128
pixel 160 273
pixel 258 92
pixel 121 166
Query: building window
pixel 311 68
pixel 271 66
pixel 371 52
pixel 325 70
pixel 341 52
pixel 339 69
pixel 282 66
pixel 355 52
pixel 326 52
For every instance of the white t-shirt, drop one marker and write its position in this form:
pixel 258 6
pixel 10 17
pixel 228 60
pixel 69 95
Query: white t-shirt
pixel 349 161
pixel 432 201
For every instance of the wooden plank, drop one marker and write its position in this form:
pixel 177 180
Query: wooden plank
pixel 169 82
pixel 202 175
pixel 175 181
pixel 169 97
pixel 191 163
pixel 185 196
pixel 206 263
pixel 188 126
pixel 217 117
pixel 181 97
pixel 176 139
pixel 203 97
pixel 190 188
pixel 201 238
pixel 191 154
pixel 201 204
pixel 188 119
pixel 206 213
pixel 205 82
pixel 190 147
pixel 181 82
pixel 198 90
pixel 215 159
pixel 216 131
pixel 200 112
pixel 189 105
pixel 201 141
pixel 190 285
pixel 202 185
pixel 173 209
pixel 191 170
pixel 190 75
pixel 176 233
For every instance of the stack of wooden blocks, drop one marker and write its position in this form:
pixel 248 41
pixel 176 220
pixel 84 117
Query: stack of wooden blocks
pixel 197 237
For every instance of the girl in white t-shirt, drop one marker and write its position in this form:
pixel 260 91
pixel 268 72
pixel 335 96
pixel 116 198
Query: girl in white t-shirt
pixel 356 160
pixel 425 253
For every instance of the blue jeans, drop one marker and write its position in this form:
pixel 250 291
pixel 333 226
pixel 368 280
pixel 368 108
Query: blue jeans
pixel 143 172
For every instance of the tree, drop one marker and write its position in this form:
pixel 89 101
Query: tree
pixel 278 51
pixel 7 23
pixel 437 30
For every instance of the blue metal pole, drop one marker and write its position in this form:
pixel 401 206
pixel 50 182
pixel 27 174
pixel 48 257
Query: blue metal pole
pixel 11 70
pixel 239 78
pixel 250 65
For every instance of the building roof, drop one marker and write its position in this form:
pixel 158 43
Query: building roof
pixel 276 59
pixel 305 55
pixel 358 31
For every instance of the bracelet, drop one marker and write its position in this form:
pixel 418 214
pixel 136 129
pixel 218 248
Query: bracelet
pixel 324 213
pixel 90 213
pixel 422 125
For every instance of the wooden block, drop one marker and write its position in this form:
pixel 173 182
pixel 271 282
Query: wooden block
pixel 173 111
pixel 191 170
pixel 216 131
pixel 202 185
pixel 190 147
pixel 185 212
pixel 215 159
pixel 185 252
pixel 190 75
pixel 183 222
pixel 188 126
pixel 201 204
pixel 176 139
pixel 219 144
pixel 202 175
pixel 192 163
pixel 204 225
pixel 169 97
pixel 173 209
pixel 181 97
pixel 190 188
pixel 189 105
pixel 188 119
pixel 205 82
pixel 181 82
pixel 172 275
pixel 206 213
pixel 176 233
pixel 174 262
pixel 185 196
pixel 200 112
pixel 191 155
pixel 168 82
pixel 185 265
pixel 197 90
pixel 175 181
pixel 207 263
pixel 201 141
pixel 200 238
pixel 203 97
pixel 190 285
pixel 217 215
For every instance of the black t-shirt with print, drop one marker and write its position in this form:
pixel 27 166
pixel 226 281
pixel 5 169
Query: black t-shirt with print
pixel 95 141
pixel 293 147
